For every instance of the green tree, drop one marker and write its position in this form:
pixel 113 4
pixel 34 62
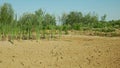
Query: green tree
pixel 87 19
pixel 40 17
pixel 49 20
pixel 6 18
pixel 27 22
pixel 63 19
pixel 74 17
pixel 6 13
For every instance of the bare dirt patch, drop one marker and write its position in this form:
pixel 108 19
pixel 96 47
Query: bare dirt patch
pixel 67 52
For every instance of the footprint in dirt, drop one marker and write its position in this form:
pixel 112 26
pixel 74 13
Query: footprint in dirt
pixel 22 63
pixel 89 60
pixel 13 56
pixel 1 61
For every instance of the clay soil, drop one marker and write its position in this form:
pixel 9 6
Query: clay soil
pixel 66 52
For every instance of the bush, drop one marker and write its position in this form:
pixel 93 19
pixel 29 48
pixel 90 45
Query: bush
pixel 86 28
pixel 65 28
pixel 76 26
pixel 98 25
pixel 104 29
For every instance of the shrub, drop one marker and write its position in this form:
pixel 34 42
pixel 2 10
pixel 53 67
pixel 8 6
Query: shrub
pixel 76 26
pixel 104 29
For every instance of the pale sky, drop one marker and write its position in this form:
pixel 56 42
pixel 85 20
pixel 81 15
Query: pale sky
pixel 57 7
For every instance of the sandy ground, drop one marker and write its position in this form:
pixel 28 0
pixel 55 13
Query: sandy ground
pixel 67 52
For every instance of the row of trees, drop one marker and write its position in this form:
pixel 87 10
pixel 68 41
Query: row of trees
pixel 43 24
pixel 76 20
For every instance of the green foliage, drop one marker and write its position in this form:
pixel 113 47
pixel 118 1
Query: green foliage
pixel 49 20
pixel 44 24
pixel 66 28
pixel 76 26
pixel 73 17
pixel 6 14
pixel 98 25
pixel 116 24
pixel 26 22
pixel 63 18
pixel 105 29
